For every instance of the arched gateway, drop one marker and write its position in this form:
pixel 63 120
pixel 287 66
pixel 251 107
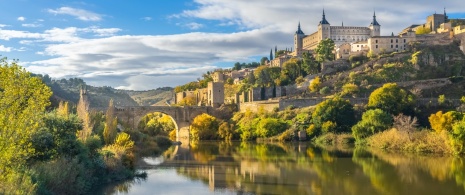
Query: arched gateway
pixel 182 116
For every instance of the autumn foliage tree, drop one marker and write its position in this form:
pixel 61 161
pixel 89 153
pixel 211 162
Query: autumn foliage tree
pixel 392 99
pixel 204 127
pixel 109 132
pixel 23 100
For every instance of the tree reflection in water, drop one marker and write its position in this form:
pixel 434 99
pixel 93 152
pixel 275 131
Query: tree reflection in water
pixel 276 168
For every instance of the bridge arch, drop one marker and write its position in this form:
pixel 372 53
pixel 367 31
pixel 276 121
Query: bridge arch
pixel 182 116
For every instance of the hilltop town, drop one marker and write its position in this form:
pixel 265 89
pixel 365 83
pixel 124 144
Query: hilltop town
pixel 354 49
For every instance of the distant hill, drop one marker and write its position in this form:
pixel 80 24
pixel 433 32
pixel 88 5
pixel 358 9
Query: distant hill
pixel 69 89
pixel 155 97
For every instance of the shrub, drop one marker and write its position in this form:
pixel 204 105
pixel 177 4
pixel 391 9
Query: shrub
pixel 392 99
pixel 226 131
pixel 350 89
pixel 458 137
pixel 373 121
pixel 325 90
pixel 163 141
pixel 172 135
pixel 328 126
pixel 336 110
pixel 268 127
pixel 204 127
pixel 443 122
pixel 315 84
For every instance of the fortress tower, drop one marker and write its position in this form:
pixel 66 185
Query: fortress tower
pixel 324 28
pixel 375 27
pixel 298 41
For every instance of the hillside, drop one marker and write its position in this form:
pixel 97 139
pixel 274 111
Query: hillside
pixel 155 97
pixel 68 90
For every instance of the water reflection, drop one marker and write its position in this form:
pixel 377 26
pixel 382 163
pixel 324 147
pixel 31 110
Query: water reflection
pixel 276 168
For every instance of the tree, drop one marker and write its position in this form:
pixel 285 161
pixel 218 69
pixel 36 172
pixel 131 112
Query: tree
pixel 204 127
pixel 263 60
pixel 109 132
pixel 237 66
pixel 268 127
pixel 271 54
pixel 84 115
pixel 422 30
pixel 373 121
pixel 23 100
pixel 336 110
pixel 291 69
pixel 444 122
pixel 263 77
pixel 309 64
pixel 226 131
pixel 324 50
pixel 392 99
pixel 315 84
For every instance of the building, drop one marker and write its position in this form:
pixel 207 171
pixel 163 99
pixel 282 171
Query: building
pixel 215 94
pixel 339 34
pixel 383 44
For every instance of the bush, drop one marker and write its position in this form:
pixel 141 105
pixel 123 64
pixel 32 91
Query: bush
pixel 325 90
pixel 204 127
pixel 392 99
pixel 163 141
pixel 328 126
pixel 350 89
pixel 444 122
pixel 373 121
pixel 336 110
pixel 268 127
pixel 315 84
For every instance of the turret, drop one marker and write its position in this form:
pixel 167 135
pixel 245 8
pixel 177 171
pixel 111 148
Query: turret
pixel 324 28
pixel 298 41
pixel 375 27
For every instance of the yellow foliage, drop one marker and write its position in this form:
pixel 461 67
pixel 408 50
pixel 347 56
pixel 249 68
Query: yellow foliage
pixel 124 140
pixel 204 127
pixel 443 122
pixel 172 135
pixel 315 84
pixel 63 109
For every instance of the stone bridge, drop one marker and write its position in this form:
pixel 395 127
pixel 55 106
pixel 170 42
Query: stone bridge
pixel 182 116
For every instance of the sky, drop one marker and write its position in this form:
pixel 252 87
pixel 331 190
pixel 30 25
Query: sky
pixel 141 45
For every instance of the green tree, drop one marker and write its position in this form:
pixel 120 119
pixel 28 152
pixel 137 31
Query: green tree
pixel 309 64
pixel 237 66
pixel 23 100
pixel 392 99
pixel 324 50
pixel 263 77
pixel 226 131
pixel 109 132
pixel 373 121
pixel 336 110
pixel 291 69
pixel 268 127
pixel 263 60
pixel 204 127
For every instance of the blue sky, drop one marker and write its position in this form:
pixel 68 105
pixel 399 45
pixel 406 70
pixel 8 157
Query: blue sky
pixel 148 44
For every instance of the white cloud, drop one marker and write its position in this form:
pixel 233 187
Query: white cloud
pixel 5 49
pixel 21 18
pixel 32 25
pixel 78 13
pixel 3 25
pixel 194 25
pixel 147 18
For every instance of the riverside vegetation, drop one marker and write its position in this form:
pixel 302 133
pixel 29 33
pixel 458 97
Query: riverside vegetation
pixel 60 150
pixel 392 119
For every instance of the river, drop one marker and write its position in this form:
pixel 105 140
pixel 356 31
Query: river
pixel 299 168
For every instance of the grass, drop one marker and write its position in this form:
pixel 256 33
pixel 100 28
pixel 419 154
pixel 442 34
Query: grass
pixel 335 139
pixel 424 141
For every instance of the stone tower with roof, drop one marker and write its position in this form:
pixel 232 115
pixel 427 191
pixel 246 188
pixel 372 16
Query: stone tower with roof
pixel 298 41
pixel 375 27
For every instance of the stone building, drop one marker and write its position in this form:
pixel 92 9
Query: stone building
pixel 434 21
pixel 339 34
pixel 381 44
pixel 215 94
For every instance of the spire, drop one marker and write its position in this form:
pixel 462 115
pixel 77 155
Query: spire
pixel 299 31
pixel 446 18
pixel 343 23
pixel 323 20
pixel 374 23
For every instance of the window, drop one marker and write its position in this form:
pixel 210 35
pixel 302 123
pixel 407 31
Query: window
pixel 404 40
pixel 391 40
pixel 376 42
pixel 397 41
pixel 397 46
pixel 391 46
pixel 376 46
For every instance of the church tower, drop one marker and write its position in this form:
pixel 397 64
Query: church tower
pixel 375 27
pixel 298 41
pixel 324 28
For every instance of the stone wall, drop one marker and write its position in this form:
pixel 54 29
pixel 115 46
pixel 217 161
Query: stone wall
pixel 334 66
pixel 256 106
